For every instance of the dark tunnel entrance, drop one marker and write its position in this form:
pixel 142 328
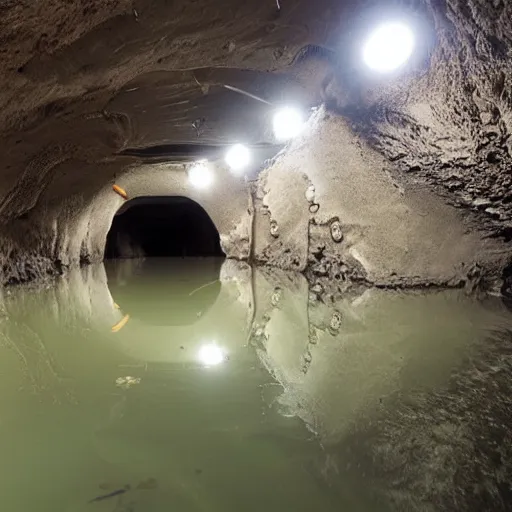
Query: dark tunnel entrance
pixel 162 227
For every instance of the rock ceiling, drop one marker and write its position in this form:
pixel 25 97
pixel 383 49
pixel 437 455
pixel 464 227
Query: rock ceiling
pixel 116 81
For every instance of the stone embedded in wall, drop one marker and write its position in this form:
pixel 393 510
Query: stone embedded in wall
pixel 336 232
pixel 317 289
pixel 334 271
pixel 274 229
pixel 310 194
pixel 237 242
pixel 276 296
pixel 335 323
pixel 373 224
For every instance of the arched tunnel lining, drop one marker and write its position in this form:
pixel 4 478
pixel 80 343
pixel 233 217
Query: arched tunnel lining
pixel 162 226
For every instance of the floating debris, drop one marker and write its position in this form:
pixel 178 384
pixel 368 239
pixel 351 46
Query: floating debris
pixel 201 287
pixel 127 382
pixel 112 494
pixel 144 485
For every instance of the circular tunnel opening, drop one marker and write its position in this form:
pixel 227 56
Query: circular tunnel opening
pixel 162 227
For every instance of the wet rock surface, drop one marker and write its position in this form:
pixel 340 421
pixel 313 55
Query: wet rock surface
pixel 448 124
pixel 404 434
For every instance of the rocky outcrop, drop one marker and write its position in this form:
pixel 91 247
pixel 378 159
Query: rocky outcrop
pixel 348 216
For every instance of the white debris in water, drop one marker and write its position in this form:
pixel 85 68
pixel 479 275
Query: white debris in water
pixel 127 382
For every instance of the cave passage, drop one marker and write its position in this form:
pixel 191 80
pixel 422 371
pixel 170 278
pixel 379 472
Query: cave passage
pixel 162 227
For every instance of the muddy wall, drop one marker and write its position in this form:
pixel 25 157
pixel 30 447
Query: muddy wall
pixel 328 205
pixel 406 181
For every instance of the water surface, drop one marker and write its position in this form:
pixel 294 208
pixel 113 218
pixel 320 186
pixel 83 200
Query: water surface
pixel 203 385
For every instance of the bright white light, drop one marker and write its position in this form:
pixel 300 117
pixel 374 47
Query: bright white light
pixel 200 175
pixel 211 355
pixel 288 123
pixel 388 47
pixel 238 157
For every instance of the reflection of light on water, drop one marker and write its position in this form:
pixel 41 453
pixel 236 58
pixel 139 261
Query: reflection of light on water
pixel 211 354
pixel 117 327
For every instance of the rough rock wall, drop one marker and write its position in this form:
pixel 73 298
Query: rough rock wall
pixel 65 232
pixel 68 74
pixel 348 215
pixel 82 84
pixel 329 205
pixel 447 120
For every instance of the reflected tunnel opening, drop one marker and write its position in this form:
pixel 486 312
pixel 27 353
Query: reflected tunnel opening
pixel 160 227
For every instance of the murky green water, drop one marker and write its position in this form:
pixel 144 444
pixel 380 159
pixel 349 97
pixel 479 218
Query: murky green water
pixel 216 387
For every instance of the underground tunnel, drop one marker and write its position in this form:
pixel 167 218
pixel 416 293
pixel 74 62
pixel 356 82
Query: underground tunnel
pixel 271 235
pixel 162 227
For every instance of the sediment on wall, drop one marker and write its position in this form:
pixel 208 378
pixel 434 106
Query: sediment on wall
pixel 333 208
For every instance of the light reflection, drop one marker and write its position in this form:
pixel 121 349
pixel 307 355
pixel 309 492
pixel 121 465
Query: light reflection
pixel 211 355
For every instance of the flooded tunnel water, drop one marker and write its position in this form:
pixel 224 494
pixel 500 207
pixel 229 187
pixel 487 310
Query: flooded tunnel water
pixel 202 385
pixel 162 226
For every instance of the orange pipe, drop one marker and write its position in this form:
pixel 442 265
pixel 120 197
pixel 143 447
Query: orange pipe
pixel 121 191
pixel 117 327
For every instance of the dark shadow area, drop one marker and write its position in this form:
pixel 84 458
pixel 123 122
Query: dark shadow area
pixel 165 291
pixel 162 227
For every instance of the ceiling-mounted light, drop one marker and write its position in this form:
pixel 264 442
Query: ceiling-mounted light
pixel 200 175
pixel 388 47
pixel 211 355
pixel 238 157
pixel 288 122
